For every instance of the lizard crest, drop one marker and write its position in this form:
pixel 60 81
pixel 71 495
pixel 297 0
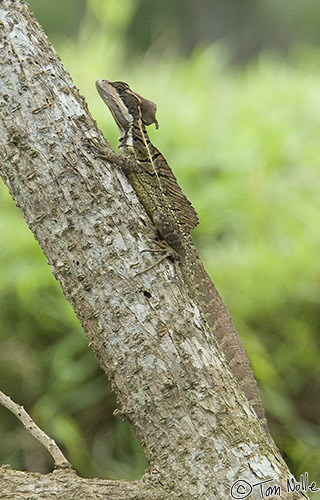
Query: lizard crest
pixel 132 113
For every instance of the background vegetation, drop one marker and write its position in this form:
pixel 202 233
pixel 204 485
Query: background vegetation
pixel 237 88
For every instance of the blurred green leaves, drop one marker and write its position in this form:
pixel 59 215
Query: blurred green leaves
pixel 113 14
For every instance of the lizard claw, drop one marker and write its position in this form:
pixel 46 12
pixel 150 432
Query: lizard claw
pixel 161 247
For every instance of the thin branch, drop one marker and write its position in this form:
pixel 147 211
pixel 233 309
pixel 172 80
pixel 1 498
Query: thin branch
pixel 57 455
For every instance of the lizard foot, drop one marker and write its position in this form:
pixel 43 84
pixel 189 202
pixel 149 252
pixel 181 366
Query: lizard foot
pixel 106 153
pixel 161 247
pixel 101 150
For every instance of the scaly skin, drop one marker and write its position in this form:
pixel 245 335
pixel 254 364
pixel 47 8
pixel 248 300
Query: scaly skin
pixel 173 216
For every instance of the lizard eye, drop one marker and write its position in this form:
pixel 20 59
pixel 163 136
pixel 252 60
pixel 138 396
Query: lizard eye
pixel 121 86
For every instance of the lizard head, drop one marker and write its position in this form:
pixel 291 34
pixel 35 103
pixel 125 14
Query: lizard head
pixel 126 106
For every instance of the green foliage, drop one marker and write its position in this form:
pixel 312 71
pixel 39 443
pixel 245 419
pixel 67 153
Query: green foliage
pixel 243 144
pixel 59 18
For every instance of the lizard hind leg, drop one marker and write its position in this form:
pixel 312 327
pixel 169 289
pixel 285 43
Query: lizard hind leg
pixel 169 230
pixel 160 247
pixel 171 243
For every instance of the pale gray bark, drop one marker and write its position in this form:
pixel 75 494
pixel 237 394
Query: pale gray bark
pixel 173 384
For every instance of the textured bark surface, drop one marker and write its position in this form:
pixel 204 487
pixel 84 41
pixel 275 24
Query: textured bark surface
pixel 195 425
pixel 17 485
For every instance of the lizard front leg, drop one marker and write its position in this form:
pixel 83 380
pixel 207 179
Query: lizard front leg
pixel 126 162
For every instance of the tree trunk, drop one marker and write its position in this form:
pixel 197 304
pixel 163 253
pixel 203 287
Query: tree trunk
pixel 173 384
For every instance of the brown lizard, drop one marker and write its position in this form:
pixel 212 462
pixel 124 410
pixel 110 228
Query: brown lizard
pixel 174 217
